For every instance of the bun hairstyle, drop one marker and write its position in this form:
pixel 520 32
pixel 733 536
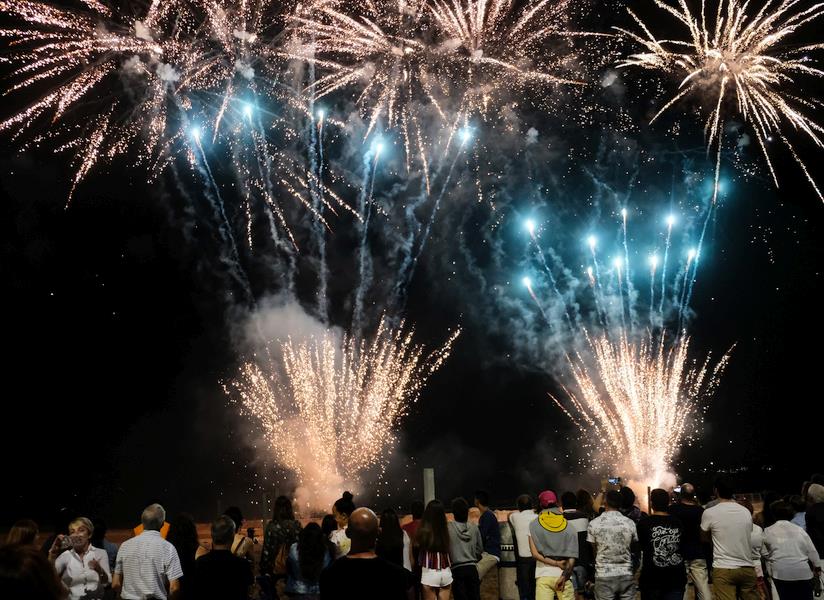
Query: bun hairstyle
pixel 345 505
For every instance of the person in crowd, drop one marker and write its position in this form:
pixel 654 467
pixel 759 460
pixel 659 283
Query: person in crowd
pixel 221 574
pixel 25 573
pixel 586 503
pixel 799 506
pixel 579 521
pixel 361 573
pixel 342 508
pixel 793 560
pixel 729 526
pixel 554 546
pixel 465 550
pixel 23 533
pixel 814 519
pixel 99 541
pixel 241 545
pixel 147 565
pixel 416 509
pixel 83 568
pixel 661 537
pixel 280 533
pixel 164 530
pixel 613 538
pixel 183 536
pixel 393 542
pixel 765 518
pixel 490 534
pixel 308 557
pixel 328 525
pixel 628 507
pixel 524 561
pixel 688 510
pixel 432 543
pixel 756 541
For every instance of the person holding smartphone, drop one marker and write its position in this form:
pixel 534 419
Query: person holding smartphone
pixel 83 568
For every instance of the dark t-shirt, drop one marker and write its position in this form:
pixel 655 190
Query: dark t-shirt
pixel 690 517
pixel 660 538
pixel 365 579
pixel 220 575
pixel 490 533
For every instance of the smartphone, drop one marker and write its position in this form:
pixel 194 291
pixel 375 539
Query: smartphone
pixel 614 480
pixel 677 489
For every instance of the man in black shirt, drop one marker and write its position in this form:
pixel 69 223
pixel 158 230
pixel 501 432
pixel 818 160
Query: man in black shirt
pixel 689 511
pixel 220 575
pixel 361 574
pixel 662 576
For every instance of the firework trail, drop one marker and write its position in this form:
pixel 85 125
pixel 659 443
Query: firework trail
pixel 370 166
pixel 332 411
pixel 742 54
pixel 407 269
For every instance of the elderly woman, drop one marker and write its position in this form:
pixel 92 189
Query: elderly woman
pixel 791 556
pixel 83 568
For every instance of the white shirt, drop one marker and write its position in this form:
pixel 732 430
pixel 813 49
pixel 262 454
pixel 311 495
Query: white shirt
pixel 757 541
pixel 789 550
pixel 613 534
pixel 79 577
pixel 520 523
pixel 730 525
pixel 341 541
pixel 147 562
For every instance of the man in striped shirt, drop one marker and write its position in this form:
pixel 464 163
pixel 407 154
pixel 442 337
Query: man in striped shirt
pixel 147 566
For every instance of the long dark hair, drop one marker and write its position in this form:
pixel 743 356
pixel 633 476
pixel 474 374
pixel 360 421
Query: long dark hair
pixel 433 535
pixel 283 510
pixel 312 549
pixel 183 536
pixel 390 539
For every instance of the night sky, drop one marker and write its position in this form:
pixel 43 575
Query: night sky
pixel 119 326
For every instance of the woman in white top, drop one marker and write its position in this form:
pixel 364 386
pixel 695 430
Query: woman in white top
pixel 791 557
pixel 83 568
pixel 343 507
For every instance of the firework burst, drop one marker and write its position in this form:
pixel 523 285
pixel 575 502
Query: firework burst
pixel 331 413
pixel 742 55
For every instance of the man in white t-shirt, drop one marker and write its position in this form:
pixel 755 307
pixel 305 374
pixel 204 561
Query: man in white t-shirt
pixel 729 526
pixel 525 563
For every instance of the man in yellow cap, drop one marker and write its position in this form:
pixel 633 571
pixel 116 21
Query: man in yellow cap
pixel 554 545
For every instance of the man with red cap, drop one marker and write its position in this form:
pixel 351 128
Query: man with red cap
pixel 554 545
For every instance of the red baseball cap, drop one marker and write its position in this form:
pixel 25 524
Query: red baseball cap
pixel 546 498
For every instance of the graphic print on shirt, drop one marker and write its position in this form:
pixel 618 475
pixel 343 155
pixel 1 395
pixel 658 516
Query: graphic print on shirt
pixel 666 543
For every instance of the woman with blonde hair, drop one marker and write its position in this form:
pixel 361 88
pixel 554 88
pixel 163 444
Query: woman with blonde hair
pixel 83 568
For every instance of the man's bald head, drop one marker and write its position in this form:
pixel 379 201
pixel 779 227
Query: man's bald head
pixel 363 530
pixel 687 491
